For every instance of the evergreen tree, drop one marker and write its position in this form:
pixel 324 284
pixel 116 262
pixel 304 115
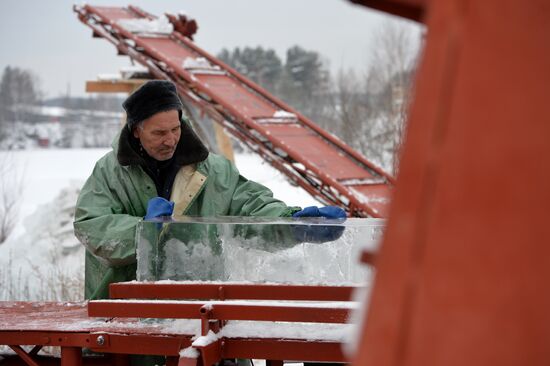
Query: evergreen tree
pixel 263 67
pixel 6 95
pixel 305 83
pixel 18 89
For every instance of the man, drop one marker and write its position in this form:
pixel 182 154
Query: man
pixel 159 167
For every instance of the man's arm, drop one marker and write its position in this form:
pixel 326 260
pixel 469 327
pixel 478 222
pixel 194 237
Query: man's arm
pixel 103 222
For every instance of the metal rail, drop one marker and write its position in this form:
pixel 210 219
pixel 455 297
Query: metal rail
pixel 228 291
pixel 307 155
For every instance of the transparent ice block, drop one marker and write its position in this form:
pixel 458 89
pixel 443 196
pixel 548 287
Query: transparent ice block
pixel 260 250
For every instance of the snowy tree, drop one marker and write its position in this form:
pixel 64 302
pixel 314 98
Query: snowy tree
pixel 263 67
pixel 389 84
pixel 305 83
pixel 18 89
pixel 10 193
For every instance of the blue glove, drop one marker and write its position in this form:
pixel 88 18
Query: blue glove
pixel 330 212
pixel 319 233
pixel 159 206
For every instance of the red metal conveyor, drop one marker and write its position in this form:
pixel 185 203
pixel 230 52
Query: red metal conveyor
pixel 306 154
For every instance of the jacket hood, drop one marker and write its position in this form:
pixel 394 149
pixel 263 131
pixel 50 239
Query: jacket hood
pixel 190 148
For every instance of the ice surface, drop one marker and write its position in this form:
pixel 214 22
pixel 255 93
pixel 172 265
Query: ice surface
pixel 281 250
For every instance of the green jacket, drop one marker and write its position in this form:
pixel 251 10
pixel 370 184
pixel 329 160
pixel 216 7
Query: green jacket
pixel 114 200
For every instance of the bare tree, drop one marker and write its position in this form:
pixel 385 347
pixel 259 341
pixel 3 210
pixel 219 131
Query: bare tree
pixel 10 192
pixel 348 107
pixel 389 83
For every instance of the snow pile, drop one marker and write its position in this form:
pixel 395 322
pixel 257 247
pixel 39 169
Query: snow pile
pixel 284 114
pixel 285 330
pixel 197 63
pixel 109 77
pixel 134 71
pixel 41 259
pixel 201 65
pixel 159 25
pixel 47 262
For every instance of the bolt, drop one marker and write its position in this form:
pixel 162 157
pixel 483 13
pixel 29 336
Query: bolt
pixel 100 340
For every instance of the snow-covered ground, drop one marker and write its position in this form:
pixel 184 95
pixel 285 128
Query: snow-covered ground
pixel 41 259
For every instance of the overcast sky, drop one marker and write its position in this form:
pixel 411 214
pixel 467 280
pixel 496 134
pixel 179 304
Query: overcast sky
pixel 46 36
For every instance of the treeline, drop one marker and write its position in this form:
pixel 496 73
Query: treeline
pixel 365 109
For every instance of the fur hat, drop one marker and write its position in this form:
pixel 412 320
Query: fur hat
pixel 152 97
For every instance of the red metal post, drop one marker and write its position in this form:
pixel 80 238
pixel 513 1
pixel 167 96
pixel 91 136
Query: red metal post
pixel 71 356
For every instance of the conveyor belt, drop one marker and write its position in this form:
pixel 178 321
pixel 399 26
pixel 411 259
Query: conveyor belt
pixel 309 156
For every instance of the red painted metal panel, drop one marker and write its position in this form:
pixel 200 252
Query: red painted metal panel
pixel 411 9
pixel 115 13
pixel 223 291
pixel 461 275
pixel 56 321
pixel 165 47
pixel 303 142
pixel 283 350
pixel 232 92
pixel 316 161
pixel 142 344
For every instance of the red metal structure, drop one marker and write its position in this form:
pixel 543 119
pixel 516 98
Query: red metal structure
pixel 109 326
pixel 463 268
pixel 309 156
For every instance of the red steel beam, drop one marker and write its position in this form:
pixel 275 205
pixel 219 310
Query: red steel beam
pixel 410 9
pixel 272 349
pixel 45 338
pixel 219 311
pixel 208 291
pixel 24 355
pixel 139 344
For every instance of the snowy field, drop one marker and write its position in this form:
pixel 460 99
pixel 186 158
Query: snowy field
pixel 41 259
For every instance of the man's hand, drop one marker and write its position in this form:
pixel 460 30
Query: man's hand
pixel 159 206
pixel 319 233
pixel 330 212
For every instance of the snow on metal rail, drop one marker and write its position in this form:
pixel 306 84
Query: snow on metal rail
pixel 306 154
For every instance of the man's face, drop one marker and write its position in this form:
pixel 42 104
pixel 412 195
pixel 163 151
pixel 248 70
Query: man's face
pixel 159 134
